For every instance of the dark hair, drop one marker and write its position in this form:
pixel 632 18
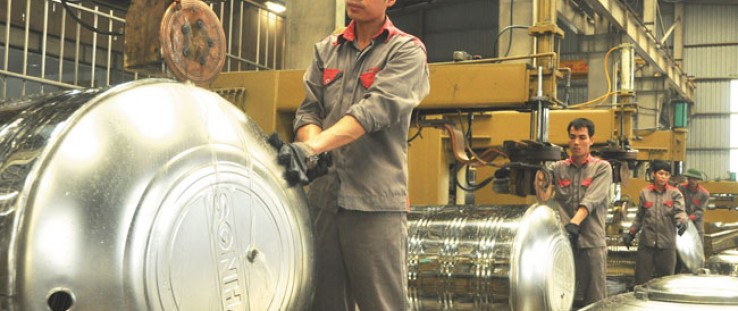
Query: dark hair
pixel 657 165
pixel 580 123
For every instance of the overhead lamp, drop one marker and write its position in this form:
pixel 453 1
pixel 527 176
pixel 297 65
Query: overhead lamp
pixel 275 6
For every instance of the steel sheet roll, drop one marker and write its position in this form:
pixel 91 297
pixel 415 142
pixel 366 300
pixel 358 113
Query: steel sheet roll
pixel 152 195
pixel 489 258
pixel 680 292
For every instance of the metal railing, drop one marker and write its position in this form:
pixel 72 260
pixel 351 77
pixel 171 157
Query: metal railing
pixel 43 49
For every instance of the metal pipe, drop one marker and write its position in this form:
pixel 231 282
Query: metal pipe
pixel 7 46
pixel 93 63
pixel 552 55
pixel 266 40
pixel 258 36
pixel 240 33
pixel 76 51
pixel 43 42
pixel 27 16
pixel 62 38
pixel 39 80
pixel 230 35
pixel 93 11
pixel 110 49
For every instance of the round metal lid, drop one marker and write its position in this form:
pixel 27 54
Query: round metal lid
pixel 157 195
pixel 689 248
pixel 542 255
pixel 193 42
pixel 720 290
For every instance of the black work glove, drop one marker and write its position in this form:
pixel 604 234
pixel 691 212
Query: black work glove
pixel 628 239
pixel 301 167
pixel 682 227
pixel 573 230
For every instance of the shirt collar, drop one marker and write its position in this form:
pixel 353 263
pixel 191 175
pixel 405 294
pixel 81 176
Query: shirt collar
pixel 589 158
pixel 387 28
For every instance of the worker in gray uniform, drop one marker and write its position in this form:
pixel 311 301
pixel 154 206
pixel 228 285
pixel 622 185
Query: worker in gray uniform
pixel 582 190
pixel 361 88
pixel 696 198
pixel 659 219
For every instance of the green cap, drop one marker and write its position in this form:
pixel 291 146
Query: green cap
pixel 694 173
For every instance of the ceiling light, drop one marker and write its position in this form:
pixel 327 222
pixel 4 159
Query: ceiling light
pixel 275 6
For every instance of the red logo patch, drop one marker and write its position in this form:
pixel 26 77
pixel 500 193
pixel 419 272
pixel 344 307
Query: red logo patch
pixel 696 202
pixel 648 204
pixel 669 203
pixel 586 182
pixel 367 78
pixel 329 74
pixel 564 182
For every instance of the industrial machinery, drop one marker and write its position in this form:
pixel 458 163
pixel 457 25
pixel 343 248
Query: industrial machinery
pixel 151 195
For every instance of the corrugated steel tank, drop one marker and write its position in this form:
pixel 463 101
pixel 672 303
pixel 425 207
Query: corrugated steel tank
pixel 489 258
pixel 152 195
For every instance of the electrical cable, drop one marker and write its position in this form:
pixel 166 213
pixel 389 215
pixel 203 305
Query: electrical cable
pixel 85 25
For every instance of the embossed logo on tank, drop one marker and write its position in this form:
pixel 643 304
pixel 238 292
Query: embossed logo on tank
pixel 225 247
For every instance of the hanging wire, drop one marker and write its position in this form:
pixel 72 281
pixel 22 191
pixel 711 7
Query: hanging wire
pixel 85 25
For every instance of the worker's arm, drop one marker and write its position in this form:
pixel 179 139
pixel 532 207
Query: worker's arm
pixel 345 131
pixel 580 215
pixel 307 131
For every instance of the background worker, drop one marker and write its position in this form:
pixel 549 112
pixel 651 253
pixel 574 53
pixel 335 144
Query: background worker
pixel 361 88
pixel 696 198
pixel 582 187
pixel 659 218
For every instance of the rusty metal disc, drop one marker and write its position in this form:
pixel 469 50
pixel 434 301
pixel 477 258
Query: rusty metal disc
pixel 193 42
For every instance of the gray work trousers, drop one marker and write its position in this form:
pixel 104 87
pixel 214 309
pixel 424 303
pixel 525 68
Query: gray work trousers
pixel 591 274
pixel 649 259
pixel 360 259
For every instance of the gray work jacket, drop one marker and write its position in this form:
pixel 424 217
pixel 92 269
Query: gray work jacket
pixel 379 86
pixel 695 202
pixel 657 216
pixel 589 186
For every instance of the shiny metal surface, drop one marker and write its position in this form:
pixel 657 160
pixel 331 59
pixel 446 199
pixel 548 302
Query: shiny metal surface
pixel 620 259
pixel 690 250
pixel 724 263
pixel 152 195
pixel 489 258
pixel 677 292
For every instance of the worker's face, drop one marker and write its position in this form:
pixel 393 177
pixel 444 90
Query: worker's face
pixel 661 177
pixel 367 10
pixel 579 142
pixel 693 182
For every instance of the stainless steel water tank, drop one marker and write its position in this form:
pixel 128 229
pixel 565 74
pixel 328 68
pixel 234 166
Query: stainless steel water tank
pixel 152 195
pixel 489 258
pixel 676 293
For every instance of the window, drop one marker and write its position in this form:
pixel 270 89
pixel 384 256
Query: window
pixel 734 126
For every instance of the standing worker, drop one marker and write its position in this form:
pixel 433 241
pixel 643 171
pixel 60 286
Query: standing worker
pixel 361 89
pixel 582 188
pixel 695 198
pixel 660 218
pixel 695 203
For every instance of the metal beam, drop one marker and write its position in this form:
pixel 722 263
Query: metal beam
pixel 575 18
pixel 646 44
